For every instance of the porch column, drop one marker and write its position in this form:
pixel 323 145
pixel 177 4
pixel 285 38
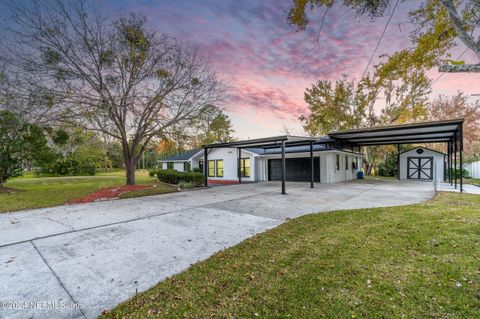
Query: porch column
pixel 461 158
pixel 398 161
pixel 205 166
pixel 283 168
pixel 239 162
pixel 311 165
pixel 455 160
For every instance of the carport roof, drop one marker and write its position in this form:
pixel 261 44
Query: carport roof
pixel 427 132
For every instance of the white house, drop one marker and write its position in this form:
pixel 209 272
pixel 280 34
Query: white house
pixel 422 163
pixel 264 164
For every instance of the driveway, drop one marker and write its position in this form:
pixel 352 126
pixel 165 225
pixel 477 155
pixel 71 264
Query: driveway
pixel 94 256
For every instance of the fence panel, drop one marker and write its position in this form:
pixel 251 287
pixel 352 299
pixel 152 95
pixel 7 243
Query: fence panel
pixel 473 169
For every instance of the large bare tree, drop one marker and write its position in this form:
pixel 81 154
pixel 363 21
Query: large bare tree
pixel 73 64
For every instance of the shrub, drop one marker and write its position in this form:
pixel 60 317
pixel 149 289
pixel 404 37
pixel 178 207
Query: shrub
pixel 171 176
pixel 465 173
pixel 70 166
pixel 152 173
pixel 389 167
pixel 197 170
pixel 185 185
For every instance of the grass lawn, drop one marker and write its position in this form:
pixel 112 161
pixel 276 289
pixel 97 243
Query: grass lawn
pixel 418 261
pixel 36 192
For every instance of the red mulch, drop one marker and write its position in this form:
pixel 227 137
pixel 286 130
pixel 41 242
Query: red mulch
pixel 107 193
pixel 222 182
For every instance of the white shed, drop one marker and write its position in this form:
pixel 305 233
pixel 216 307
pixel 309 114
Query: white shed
pixel 422 163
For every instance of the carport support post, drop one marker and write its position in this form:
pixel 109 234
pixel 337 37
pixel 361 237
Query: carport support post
pixel 239 165
pixel 311 165
pixel 398 161
pixel 205 166
pixel 283 168
pixel 461 158
pixel 455 160
pixel 449 171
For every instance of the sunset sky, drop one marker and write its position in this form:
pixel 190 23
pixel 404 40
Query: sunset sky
pixel 267 65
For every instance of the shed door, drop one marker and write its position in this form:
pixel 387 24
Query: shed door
pixel 297 169
pixel 419 167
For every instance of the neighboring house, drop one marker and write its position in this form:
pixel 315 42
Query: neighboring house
pixel 331 165
pixel 422 163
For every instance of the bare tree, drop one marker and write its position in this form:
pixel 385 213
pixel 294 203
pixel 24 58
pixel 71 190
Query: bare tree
pixel 116 77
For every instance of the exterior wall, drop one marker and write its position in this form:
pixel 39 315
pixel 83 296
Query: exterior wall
pixel 230 163
pixel 438 162
pixel 328 172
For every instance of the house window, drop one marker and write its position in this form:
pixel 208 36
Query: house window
pixel 211 168
pixel 186 167
pixel 245 167
pixel 337 162
pixel 169 165
pixel 346 163
pixel 200 165
pixel 219 168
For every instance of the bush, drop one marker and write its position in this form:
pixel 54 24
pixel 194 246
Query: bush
pixel 185 185
pixel 465 173
pixel 389 167
pixel 69 166
pixel 152 173
pixel 171 176
pixel 197 170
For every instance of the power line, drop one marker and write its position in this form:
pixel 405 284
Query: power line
pixel 380 40
pixel 441 74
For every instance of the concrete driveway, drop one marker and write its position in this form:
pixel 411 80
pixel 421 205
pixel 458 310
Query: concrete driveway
pixel 94 256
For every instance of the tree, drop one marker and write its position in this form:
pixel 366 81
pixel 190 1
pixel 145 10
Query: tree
pixel 333 107
pixel 19 141
pixel 213 126
pixel 434 17
pixel 118 78
pixel 458 106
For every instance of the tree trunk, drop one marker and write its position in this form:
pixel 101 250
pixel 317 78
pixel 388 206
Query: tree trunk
pixel 130 165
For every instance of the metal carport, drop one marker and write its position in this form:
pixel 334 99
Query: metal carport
pixel 448 131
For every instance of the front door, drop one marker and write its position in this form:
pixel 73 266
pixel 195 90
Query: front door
pixel 419 167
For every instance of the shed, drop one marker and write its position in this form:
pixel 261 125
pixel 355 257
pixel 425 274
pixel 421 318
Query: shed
pixel 421 163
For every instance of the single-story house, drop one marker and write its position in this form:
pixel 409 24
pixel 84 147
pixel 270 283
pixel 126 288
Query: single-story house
pixel 258 164
pixel 421 163
pixel 333 158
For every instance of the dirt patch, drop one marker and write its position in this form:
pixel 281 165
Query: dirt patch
pixel 107 193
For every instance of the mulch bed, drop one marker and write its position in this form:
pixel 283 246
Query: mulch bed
pixel 107 193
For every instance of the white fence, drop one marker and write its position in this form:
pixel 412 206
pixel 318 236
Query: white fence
pixel 473 169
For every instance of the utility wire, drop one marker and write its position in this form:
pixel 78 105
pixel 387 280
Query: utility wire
pixel 380 40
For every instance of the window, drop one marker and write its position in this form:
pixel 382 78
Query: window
pixel 219 168
pixel 211 168
pixel 200 165
pixel 337 162
pixel 186 167
pixel 169 165
pixel 245 167
pixel 346 163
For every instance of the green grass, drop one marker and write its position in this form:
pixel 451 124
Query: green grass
pixel 418 261
pixel 36 192
pixel 158 189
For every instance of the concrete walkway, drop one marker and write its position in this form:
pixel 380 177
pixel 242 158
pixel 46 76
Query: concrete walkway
pixel 97 255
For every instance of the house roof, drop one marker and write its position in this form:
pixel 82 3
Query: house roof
pixel 185 156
